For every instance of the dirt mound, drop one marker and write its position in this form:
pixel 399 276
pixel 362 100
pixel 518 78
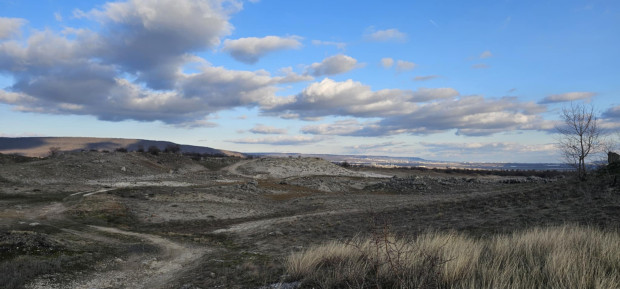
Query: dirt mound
pixel 281 168
pixel 15 243
pixel 84 166
pixel 12 159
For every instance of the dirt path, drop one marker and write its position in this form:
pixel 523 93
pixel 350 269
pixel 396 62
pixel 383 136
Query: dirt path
pixel 233 169
pixel 265 224
pixel 144 271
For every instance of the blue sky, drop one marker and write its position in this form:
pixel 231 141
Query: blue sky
pixel 441 80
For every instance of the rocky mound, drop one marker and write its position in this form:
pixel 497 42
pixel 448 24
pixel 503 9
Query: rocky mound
pixel 281 168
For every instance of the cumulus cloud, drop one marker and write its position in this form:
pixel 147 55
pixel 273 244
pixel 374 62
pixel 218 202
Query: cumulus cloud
pixel 249 50
pixel 425 111
pixel 425 77
pixel 86 72
pixel 479 66
pixel 263 129
pixel 336 64
pixel 339 45
pixel 387 62
pixel 384 35
pixel 280 140
pixel 569 96
pixel 402 65
pixel 152 39
pixel 10 27
pixel 289 76
pixel 351 98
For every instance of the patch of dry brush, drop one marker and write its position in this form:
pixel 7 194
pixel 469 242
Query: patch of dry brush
pixel 558 257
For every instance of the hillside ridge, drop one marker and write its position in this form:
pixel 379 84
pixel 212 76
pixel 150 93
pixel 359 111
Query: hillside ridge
pixel 40 146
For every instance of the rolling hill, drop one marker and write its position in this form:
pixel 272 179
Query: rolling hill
pixel 40 146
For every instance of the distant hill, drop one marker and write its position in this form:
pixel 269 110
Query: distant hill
pixel 348 158
pixel 387 161
pixel 40 146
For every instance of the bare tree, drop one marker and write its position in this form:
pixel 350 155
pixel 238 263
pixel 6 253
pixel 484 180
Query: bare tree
pixel 579 136
pixel 54 151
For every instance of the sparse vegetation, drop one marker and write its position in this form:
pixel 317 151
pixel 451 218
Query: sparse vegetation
pixel 172 148
pixel 560 257
pixel 247 215
pixel 54 151
pixel 121 150
pixel 154 150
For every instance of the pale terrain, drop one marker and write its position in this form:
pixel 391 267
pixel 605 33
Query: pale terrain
pixel 137 220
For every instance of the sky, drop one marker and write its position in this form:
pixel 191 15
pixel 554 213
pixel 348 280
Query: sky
pixel 478 81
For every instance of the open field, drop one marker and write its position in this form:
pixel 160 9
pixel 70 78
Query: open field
pixel 136 220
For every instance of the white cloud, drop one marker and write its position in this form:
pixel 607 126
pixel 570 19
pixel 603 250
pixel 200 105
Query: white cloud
pixel 486 54
pixel 402 65
pixel 290 76
pixel 280 140
pixel 351 98
pixel 58 17
pixel 84 72
pixel 152 39
pixel 263 129
pixel 336 64
pixel 384 35
pixel 339 45
pixel 387 62
pixel 249 50
pixel 569 96
pixel 10 27
pixel 425 77
pixel 425 111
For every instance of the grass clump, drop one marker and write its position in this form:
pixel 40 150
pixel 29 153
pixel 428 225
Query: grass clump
pixel 558 257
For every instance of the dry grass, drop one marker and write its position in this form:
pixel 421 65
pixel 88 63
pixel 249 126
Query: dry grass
pixel 559 257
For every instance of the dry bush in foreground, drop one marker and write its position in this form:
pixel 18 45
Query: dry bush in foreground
pixel 559 257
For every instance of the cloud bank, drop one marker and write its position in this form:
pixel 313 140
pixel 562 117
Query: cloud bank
pixel 423 111
pixel 86 72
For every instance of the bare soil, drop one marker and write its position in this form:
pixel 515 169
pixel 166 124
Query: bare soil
pixel 136 220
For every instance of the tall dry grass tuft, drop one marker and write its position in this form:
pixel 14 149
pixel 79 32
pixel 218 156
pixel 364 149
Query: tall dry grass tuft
pixel 559 257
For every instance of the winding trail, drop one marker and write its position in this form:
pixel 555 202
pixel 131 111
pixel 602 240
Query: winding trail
pixel 144 271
